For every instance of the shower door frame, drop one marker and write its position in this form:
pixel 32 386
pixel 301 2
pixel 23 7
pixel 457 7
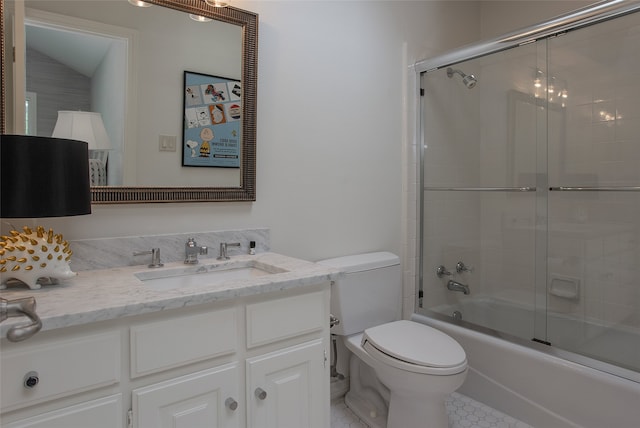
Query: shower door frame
pixel 599 12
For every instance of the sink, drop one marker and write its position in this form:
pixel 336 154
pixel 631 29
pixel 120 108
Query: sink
pixel 205 275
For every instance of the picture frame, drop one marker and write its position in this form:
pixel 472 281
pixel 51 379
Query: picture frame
pixel 212 121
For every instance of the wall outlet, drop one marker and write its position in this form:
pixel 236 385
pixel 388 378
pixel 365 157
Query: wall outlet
pixel 167 143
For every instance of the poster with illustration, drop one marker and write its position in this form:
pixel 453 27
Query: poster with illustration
pixel 212 118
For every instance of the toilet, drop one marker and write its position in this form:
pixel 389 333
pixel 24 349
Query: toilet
pixel 400 371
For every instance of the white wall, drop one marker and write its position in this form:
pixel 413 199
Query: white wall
pixel 108 95
pixel 501 17
pixel 331 102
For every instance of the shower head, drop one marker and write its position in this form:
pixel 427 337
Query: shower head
pixel 469 80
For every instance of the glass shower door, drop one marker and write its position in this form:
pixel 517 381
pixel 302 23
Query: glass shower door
pixel 530 202
pixel 594 199
pixel 482 143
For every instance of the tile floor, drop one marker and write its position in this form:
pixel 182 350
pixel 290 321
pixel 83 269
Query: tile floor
pixel 463 411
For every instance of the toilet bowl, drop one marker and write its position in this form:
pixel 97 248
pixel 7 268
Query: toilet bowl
pixel 415 366
pixel 419 365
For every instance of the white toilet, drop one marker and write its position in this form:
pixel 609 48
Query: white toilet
pixel 409 368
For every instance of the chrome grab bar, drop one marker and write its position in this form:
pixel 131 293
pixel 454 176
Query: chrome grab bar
pixel 533 189
pixel 595 189
pixel 18 308
pixel 482 189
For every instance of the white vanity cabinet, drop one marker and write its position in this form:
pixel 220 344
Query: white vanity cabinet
pixel 253 361
pixel 201 399
pixel 284 388
pixel 40 371
pixel 101 413
pixel 204 398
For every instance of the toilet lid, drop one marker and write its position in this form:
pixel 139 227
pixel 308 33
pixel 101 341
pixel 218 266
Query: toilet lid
pixel 416 343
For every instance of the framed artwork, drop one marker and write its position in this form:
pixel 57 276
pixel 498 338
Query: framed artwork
pixel 212 119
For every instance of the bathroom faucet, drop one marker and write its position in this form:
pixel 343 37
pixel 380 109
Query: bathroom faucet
pixel 457 286
pixel 191 251
pixel 223 249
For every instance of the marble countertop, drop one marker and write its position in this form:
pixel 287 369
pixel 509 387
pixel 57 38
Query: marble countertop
pixel 100 295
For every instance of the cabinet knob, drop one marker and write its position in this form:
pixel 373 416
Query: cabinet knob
pixel 31 379
pixel 231 403
pixel 260 393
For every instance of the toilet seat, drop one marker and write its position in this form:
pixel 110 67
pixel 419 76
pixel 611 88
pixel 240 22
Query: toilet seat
pixel 415 347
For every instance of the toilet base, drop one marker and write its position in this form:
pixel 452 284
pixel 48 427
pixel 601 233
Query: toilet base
pixel 431 414
pixel 365 411
pixel 409 412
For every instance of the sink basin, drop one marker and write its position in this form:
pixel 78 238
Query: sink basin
pixel 205 275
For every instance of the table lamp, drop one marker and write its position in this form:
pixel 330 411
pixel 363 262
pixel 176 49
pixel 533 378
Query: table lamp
pixel 87 126
pixel 40 177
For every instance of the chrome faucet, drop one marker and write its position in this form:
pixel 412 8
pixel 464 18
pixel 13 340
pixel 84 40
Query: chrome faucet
pixel 191 251
pixel 457 286
pixel 223 249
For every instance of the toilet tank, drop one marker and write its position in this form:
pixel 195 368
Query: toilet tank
pixel 369 294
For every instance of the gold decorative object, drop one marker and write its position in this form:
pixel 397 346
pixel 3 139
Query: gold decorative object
pixel 28 256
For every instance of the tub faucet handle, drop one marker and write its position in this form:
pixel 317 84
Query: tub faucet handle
pixel 461 267
pixel 442 271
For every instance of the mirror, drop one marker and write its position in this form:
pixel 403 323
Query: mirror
pixel 226 46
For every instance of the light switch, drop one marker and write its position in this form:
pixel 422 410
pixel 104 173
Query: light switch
pixel 167 143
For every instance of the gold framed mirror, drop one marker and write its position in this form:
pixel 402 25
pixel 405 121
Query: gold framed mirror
pixel 209 191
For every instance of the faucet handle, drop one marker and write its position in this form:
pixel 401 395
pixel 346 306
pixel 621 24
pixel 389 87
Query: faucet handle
pixel 155 257
pixel 223 249
pixel 461 267
pixel 442 271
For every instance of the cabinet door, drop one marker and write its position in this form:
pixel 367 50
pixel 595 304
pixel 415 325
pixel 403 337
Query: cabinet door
pixel 204 399
pixel 102 413
pixel 287 388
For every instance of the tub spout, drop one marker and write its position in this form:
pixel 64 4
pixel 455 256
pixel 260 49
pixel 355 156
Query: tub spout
pixel 457 286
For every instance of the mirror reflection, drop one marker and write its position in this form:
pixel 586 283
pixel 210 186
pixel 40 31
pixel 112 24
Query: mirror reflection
pixel 126 66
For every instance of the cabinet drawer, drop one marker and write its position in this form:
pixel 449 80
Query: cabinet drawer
pixel 285 318
pixel 102 413
pixel 175 342
pixel 63 368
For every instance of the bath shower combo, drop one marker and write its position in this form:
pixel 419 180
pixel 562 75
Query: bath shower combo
pixel 538 190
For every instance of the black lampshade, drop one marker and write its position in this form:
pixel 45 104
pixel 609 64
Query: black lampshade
pixel 43 177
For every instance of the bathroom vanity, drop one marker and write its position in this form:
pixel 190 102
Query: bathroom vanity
pixel 115 351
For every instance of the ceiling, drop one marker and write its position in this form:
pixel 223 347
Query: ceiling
pixel 80 52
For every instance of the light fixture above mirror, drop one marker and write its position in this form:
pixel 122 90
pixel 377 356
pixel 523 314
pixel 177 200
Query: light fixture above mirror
pixel 217 3
pixel 199 18
pixel 139 3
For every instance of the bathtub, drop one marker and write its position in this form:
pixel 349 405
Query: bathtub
pixel 536 383
pixel 587 338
